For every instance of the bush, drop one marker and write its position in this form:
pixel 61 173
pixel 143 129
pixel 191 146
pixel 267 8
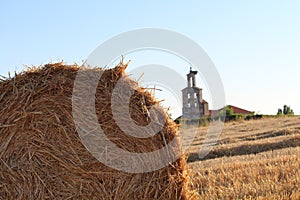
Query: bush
pixel 234 117
pixel 249 117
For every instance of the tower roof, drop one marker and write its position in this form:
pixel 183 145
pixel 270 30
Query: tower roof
pixel 192 72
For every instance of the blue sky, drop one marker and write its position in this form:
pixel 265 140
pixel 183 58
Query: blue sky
pixel 255 45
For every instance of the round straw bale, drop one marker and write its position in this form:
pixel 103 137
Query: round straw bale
pixel 43 157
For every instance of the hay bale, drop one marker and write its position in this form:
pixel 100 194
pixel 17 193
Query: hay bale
pixel 42 156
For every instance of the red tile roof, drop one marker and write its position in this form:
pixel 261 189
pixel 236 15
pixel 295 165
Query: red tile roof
pixel 238 110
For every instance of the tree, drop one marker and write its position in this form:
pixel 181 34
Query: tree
pixel 279 112
pixel 226 111
pixel 286 110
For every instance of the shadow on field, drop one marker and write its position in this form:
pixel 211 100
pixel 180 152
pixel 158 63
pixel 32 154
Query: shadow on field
pixel 265 135
pixel 246 149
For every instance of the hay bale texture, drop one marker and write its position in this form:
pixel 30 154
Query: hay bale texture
pixel 42 156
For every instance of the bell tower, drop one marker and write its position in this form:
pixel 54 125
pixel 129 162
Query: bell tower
pixel 194 107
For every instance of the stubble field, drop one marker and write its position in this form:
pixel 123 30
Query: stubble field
pixel 257 159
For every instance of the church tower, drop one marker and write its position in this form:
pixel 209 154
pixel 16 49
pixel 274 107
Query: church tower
pixel 194 106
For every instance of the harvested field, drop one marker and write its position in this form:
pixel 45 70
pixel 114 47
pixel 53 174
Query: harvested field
pixel 257 159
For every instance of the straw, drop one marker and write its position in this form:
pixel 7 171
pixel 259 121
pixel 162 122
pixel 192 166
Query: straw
pixel 42 156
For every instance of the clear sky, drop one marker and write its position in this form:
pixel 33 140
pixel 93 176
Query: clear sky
pixel 255 45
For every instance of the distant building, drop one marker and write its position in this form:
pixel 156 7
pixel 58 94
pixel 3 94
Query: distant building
pixel 194 106
pixel 237 110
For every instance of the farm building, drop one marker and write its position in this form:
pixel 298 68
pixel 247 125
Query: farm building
pixel 237 110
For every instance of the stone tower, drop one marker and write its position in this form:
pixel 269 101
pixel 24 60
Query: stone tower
pixel 194 106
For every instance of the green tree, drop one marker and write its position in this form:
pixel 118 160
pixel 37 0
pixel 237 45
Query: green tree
pixel 226 111
pixel 286 110
pixel 279 112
